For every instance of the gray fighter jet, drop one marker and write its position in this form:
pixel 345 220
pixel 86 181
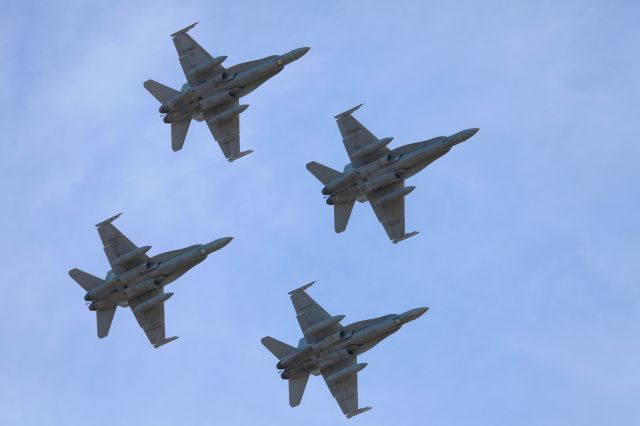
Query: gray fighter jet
pixel 212 93
pixel 138 281
pixel 377 174
pixel 331 349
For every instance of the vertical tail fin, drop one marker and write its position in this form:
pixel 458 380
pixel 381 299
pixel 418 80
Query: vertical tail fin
pixel 159 91
pixel 276 347
pixel 341 215
pixel 105 318
pixel 179 133
pixel 323 173
pixel 86 280
pixel 296 389
pixel 297 385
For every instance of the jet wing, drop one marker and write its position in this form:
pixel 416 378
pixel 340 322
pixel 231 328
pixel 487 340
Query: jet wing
pixel 308 313
pixel 151 319
pixel 226 131
pixel 191 54
pixel 344 391
pixel 355 136
pixel 390 215
pixel 117 245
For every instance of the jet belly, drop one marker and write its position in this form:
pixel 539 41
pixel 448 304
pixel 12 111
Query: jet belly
pixel 360 349
pixel 373 332
pixel 180 272
pixel 244 90
pixel 253 74
pixel 175 264
pixel 423 155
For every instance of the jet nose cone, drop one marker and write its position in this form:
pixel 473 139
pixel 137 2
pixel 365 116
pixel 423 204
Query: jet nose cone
pixel 418 312
pixel 411 315
pixel 471 132
pixel 294 55
pixel 463 136
pixel 221 242
pixel 216 245
pixel 303 50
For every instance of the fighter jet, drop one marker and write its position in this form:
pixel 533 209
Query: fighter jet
pixel 212 93
pixel 377 174
pixel 331 349
pixel 138 281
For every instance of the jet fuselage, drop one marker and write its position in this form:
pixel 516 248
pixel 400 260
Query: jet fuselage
pixel 157 272
pixel 399 164
pixel 354 339
pixel 222 88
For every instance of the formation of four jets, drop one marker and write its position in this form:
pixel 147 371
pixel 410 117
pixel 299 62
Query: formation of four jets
pixel 375 173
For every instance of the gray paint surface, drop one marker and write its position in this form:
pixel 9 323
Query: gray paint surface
pixel 212 92
pixel 331 349
pixel 377 174
pixel 137 280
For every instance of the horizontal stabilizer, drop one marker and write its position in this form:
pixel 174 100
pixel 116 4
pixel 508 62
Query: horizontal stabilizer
pixel 349 111
pixel 358 411
pixel 165 341
pixel 277 348
pixel 179 133
pixel 242 154
pixel 86 280
pixel 303 288
pixel 296 389
pixel 159 91
pixel 405 236
pixel 111 219
pixel 105 318
pixel 323 173
pixel 184 30
pixel 341 215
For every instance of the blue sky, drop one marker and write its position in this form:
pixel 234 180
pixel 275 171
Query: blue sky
pixel 529 238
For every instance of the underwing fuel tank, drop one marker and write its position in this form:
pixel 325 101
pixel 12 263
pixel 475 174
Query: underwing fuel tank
pixel 206 66
pixel 391 197
pixel 134 254
pixel 138 289
pixel 371 148
pixel 346 372
pixel 324 324
pixel 148 304
pixel 326 343
pixel 215 100
pixel 333 358
pixel 380 181
pixel 228 113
